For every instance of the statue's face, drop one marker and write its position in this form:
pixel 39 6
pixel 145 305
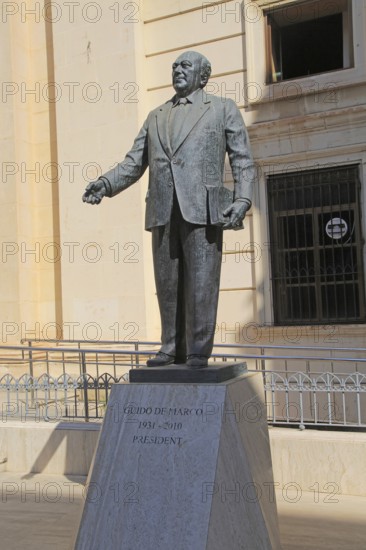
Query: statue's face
pixel 186 74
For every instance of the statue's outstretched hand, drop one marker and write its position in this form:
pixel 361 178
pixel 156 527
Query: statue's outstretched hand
pixel 94 192
pixel 236 211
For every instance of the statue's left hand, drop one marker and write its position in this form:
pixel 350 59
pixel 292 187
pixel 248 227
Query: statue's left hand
pixel 237 211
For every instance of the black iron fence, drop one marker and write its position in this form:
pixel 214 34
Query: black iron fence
pixel 73 381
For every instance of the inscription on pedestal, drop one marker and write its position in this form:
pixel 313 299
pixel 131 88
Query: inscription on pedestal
pixel 154 431
pixel 159 425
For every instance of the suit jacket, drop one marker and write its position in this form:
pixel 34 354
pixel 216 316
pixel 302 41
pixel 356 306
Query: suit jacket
pixel 212 127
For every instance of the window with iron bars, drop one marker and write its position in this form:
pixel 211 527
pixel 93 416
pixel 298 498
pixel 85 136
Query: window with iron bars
pixel 316 246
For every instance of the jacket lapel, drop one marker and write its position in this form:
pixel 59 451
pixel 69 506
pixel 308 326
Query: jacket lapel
pixel 195 113
pixel 162 122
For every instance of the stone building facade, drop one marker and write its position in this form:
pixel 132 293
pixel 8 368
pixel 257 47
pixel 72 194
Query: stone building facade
pixel 79 80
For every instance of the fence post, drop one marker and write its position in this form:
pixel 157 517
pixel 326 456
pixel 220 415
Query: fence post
pixel 137 357
pixel 85 384
pixel 31 371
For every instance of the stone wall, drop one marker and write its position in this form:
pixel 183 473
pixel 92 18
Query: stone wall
pixel 90 274
pixel 310 460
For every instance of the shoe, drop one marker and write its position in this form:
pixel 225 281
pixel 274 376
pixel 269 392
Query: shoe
pixel 197 361
pixel 161 359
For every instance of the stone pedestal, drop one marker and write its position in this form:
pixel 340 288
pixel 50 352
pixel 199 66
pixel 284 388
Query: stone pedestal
pixel 182 466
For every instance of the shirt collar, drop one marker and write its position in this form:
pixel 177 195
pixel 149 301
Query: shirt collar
pixel 191 98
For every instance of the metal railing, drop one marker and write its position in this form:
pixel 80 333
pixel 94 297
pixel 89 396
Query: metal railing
pixel 55 399
pixel 63 382
pixel 325 399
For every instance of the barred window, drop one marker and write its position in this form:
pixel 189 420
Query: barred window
pixel 316 248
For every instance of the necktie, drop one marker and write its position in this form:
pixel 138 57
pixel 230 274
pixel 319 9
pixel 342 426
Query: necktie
pixel 177 116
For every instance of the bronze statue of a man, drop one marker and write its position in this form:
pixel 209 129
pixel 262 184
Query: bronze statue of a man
pixel 184 143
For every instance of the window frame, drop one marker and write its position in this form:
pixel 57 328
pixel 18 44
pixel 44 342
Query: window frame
pixel 256 57
pixel 273 17
pixel 278 257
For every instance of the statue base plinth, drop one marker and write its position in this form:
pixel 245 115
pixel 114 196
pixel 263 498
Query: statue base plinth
pixel 182 466
pixel 213 374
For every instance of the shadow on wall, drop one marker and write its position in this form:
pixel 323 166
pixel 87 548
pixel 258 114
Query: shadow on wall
pixel 68 450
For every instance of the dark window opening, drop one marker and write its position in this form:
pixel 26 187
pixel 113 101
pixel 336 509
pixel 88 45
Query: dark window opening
pixel 316 251
pixel 308 39
pixel 323 51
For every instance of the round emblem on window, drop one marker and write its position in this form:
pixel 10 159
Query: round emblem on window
pixel 336 228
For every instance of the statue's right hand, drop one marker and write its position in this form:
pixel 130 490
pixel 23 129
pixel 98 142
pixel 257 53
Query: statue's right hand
pixel 94 192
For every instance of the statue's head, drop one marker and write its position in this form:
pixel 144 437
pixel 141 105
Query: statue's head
pixel 190 72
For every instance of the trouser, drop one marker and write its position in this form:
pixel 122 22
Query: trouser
pixel 187 264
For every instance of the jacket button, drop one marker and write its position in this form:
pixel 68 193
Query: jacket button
pixel 174 160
